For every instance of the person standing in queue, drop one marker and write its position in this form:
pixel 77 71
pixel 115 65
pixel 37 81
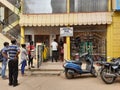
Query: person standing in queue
pixel 13 52
pixel 54 46
pixel 24 58
pixel 31 54
pixel 5 59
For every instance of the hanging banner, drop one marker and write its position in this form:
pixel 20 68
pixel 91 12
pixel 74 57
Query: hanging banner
pixel 66 31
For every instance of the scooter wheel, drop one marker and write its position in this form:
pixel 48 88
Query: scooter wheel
pixel 69 73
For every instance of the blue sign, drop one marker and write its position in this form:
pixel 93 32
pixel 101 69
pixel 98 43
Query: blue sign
pixel 117 4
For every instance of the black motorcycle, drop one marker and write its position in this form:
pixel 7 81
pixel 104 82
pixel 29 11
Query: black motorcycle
pixel 110 70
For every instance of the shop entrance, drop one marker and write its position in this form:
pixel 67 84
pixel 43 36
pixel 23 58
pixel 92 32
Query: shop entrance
pixel 92 41
pixel 42 39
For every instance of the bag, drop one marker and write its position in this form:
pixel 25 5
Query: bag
pixel 1 56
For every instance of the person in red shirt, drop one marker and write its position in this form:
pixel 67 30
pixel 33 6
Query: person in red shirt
pixel 31 54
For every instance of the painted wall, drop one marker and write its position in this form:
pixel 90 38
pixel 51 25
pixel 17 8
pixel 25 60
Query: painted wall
pixel 42 30
pixel 113 37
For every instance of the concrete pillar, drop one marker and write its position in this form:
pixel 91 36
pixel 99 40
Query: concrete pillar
pixel 68 38
pixel 109 42
pixel 109 36
pixel 22 39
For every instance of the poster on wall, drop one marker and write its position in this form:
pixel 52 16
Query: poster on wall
pixel 44 6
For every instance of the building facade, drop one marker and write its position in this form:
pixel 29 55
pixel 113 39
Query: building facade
pixel 94 22
pixel 89 19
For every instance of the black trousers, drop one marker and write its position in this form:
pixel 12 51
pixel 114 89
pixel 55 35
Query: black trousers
pixel 13 71
pixel 30 61
pixel 54 55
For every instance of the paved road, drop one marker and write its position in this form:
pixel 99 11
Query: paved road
pixel 38 82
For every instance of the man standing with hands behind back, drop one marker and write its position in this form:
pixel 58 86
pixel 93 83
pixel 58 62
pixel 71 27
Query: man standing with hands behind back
pixel 13 52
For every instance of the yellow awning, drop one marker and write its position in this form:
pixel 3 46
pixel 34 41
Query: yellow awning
pixel 66 19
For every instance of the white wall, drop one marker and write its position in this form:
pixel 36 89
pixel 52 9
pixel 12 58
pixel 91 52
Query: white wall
pixel 1 13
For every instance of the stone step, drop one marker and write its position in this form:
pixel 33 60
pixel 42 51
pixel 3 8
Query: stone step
pixel 44 69
pixel 57 73
pixel 47 68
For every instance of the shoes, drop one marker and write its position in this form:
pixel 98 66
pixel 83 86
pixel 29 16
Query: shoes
pixel 14 85
pixel 32 67
pixel 5 77
pixel 10 84
pixel 29 68
pixel 22 74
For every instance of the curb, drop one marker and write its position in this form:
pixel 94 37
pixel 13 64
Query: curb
pixel 44 69
pixel 46 73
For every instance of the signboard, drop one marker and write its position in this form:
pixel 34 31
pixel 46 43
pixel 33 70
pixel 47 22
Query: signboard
pixel 66 31
pixel 116 4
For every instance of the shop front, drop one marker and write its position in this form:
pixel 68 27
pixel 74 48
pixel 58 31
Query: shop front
pixel 86 38
pixel 89 39
pixel 90 23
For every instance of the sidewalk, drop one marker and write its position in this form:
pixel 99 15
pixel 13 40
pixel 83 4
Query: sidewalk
pixel 44 66
pixel 48 68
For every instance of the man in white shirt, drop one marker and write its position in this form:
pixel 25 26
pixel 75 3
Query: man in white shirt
pixel 54 46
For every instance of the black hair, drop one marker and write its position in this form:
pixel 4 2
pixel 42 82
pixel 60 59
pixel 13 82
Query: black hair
pixel 31 42
pixel 13 41
pixel 23 45
pixel 6 43
pixel 55 40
